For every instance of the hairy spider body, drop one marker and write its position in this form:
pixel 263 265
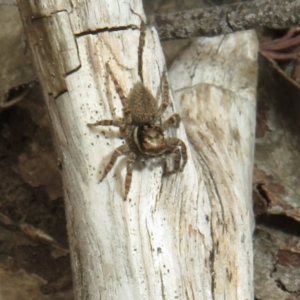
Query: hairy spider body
pixel 143 130
pixel 142 111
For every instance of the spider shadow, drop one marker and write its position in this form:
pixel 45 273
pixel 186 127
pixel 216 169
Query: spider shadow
pixel 118 172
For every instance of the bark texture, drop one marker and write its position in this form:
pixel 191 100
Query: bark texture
pixel 276 14
pixel 184 236
pixel 216 93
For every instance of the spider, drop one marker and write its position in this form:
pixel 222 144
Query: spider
pixel 143 130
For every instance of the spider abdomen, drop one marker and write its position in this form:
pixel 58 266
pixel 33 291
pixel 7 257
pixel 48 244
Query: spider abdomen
pixel 142 104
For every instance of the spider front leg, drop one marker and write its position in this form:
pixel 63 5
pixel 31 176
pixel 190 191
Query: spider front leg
pixel 118 152
pixel 130 162
pixel 116 123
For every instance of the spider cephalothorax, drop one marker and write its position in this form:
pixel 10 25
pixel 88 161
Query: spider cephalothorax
pixel 150 140
pixel 143 130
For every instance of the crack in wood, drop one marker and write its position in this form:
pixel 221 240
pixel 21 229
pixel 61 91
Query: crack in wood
pixel 107 29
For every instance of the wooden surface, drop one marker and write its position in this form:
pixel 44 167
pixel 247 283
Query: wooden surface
pixel 179 237
pixel 216 95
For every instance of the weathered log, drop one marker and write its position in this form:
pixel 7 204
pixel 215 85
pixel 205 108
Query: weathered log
pixel 184 236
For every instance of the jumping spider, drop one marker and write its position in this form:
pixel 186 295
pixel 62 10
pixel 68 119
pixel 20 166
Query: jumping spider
pixel 143 129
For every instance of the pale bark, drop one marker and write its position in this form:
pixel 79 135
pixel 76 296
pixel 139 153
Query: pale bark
pixel 187 236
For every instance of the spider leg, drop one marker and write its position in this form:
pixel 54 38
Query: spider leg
pixel 166 98
pixel 173 121
pixel 141 49
pixel 130 161
pixel 121 94
pixel 175 142
pixel 117 123
pixel 119 151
